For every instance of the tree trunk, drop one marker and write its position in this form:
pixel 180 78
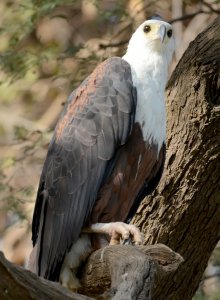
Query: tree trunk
pixel 184 212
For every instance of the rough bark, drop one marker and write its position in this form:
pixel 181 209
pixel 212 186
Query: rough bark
pixel 184 212
pixel 127 272
pixel 18 283
pixel 114 272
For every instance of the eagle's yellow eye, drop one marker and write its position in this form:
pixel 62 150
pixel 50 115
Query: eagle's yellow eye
pixel 169 33
pixel 147 28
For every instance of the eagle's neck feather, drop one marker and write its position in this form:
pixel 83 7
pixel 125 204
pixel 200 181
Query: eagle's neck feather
pixel 149 75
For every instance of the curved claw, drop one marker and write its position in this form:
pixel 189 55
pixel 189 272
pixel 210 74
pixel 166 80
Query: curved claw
pixel 118 232
pixel 127 241
pixel 127 234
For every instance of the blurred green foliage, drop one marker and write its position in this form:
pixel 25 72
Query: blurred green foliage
pixel 202 296
pixel 20 51
pixel 14 197
pixel 18 23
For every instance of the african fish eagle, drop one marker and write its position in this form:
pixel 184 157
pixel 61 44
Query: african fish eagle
pixel 107 153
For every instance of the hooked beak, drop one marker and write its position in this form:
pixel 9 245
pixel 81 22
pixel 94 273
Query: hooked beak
pixel 162 32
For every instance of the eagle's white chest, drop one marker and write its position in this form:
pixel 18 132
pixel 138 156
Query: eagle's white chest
pixel 151 111
pixel 149 78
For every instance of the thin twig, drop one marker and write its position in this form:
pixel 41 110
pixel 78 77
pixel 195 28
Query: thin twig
pixel 217 274
pixel 210 7
pixel 189 16
pixel 116 44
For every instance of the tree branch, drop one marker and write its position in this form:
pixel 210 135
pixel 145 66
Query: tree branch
pixel 127 272
pixel 211 8
pixel 114 272
pixel 189 16
pixel 18 283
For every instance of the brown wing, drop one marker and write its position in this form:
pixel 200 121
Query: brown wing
pixel 96 121
pixel 138 166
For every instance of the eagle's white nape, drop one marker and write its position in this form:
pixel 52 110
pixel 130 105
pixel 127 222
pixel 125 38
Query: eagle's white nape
pixel 149 57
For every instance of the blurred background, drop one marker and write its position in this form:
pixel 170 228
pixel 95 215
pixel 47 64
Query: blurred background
pixel 46 49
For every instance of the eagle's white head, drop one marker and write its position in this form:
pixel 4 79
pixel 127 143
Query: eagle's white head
pixel 153 38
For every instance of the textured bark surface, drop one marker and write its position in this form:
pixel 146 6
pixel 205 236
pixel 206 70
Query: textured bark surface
pixel 184 212
pixel 18 283
pixel 114 272
pixel 127 272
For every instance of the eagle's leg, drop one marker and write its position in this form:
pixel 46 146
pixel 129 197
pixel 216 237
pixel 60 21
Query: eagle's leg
pixel 118 231
pixel 78 252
